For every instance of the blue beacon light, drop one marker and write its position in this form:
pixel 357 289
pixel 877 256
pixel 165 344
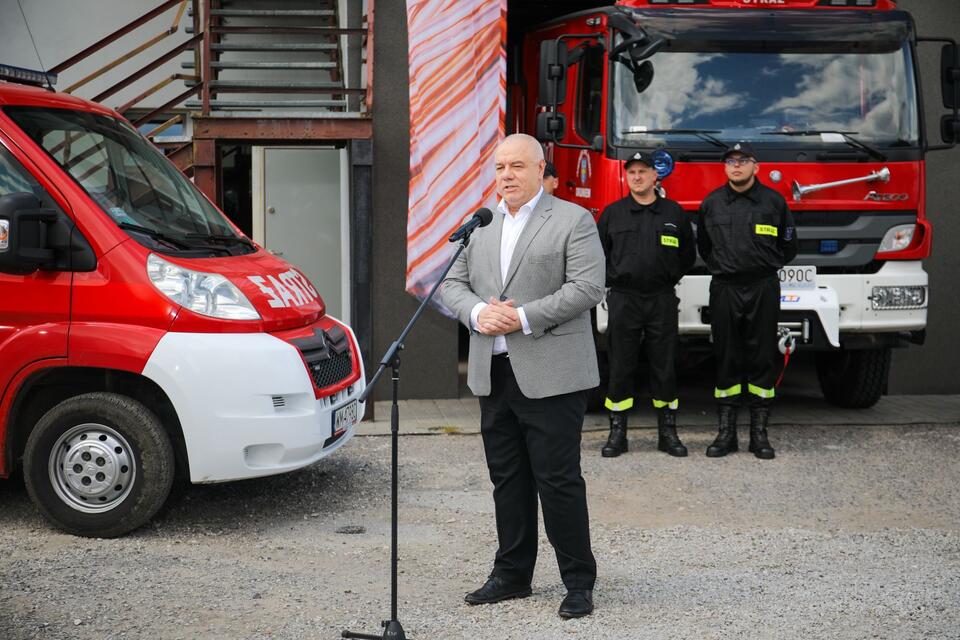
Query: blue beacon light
pixel 663 163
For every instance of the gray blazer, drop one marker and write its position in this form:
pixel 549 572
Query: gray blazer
pixel 557 275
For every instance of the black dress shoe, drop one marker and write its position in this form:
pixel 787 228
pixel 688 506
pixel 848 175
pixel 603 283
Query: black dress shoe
pixel 497 589
pixel 578 603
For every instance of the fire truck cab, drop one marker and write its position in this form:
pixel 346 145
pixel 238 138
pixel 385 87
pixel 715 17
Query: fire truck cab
pixel 144 339
pixel 827 92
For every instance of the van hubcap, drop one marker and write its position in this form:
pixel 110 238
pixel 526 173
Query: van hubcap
pixel 92 468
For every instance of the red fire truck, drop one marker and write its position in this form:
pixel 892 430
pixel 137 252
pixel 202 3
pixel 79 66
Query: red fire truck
pixel 142 336
pixel 828 93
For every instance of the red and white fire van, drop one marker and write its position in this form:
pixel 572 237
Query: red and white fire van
pixel 142 336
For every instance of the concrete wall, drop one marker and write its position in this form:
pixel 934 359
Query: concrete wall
pixel 430 358
pixel 933 367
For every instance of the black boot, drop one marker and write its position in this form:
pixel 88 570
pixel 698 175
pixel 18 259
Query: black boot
pixel 617 442
pixel 667 439
pixel 726 441
pixel 759 444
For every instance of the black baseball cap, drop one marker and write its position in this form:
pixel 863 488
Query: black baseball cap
pixel 549 171
pixel 743 147
pixel 639 156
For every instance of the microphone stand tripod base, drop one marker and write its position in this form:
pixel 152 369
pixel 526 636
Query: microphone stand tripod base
pixel 392 630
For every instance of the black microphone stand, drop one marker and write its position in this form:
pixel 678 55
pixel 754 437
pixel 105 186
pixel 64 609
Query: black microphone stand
pixel 392 629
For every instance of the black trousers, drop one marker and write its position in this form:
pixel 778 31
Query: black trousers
pixel 533 448
pixel 642 322
pixel 744 325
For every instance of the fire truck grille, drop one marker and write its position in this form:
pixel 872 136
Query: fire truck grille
pixel 328 357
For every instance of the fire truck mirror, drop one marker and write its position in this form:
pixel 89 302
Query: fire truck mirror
pixel 23 234
pixel 950 129
pixel 643 76
pixel 553 73
pixel 950 76
pixel 551 126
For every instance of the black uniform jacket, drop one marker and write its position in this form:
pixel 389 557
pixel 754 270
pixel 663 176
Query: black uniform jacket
pixel 648 247
pixel 745 236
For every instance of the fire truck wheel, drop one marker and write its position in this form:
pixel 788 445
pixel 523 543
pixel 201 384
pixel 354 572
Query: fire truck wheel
pixel 853 379
pixel 99 465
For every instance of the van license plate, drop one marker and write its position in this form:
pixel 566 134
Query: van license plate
pixel 802 277
pixel 344 418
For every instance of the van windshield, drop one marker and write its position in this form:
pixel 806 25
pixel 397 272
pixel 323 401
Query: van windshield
pixel 132 182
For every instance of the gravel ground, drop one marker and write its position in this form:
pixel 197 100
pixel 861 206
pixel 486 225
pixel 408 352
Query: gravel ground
pixel 852 532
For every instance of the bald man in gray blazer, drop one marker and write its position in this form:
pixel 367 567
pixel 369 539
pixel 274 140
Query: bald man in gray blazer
pixel 525 286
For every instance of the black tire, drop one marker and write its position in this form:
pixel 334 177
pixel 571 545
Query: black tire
pixel 853 379
pixel 98 465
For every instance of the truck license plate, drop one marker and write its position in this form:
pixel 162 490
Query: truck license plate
pixel 801 277
pixel 344 418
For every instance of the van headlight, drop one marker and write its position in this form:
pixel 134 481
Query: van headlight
pixel 208 294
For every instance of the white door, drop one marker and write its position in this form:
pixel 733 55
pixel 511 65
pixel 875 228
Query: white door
pixel 301 214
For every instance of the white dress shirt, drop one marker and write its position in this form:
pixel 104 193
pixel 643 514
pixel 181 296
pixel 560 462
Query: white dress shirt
pixel 512 228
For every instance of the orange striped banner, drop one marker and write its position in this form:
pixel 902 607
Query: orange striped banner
pixel 457 58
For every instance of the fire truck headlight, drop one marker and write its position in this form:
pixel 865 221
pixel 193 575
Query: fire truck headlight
pixel 892 298
pixel 208 294
pixel 897 238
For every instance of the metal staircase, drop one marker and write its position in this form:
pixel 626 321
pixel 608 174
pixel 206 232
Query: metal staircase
pixel 252 70
pixel 283 57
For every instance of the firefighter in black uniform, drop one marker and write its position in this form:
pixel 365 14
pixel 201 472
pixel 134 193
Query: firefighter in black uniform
pixel 649 245
pixel 745 233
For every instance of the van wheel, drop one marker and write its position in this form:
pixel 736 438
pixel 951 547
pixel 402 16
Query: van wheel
pixel 99 465
pixel 853 379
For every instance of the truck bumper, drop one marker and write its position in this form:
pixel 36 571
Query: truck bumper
pixel 246 404
pixel 841 305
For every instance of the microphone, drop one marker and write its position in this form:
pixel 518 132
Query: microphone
pixel 480 218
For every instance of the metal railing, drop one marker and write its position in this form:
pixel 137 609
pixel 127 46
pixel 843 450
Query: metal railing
pixel 206 43
pixel 134 25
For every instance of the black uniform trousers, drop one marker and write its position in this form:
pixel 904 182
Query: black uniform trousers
pixel 744 324
pixel 532 447
pixel 647 322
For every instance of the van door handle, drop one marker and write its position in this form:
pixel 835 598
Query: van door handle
pixel 275 252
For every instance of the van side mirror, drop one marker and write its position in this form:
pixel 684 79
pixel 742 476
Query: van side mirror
pixel 553 73
pixel 950 76
pixel 24 229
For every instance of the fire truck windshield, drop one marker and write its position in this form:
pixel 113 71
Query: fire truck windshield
pixel 745 95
